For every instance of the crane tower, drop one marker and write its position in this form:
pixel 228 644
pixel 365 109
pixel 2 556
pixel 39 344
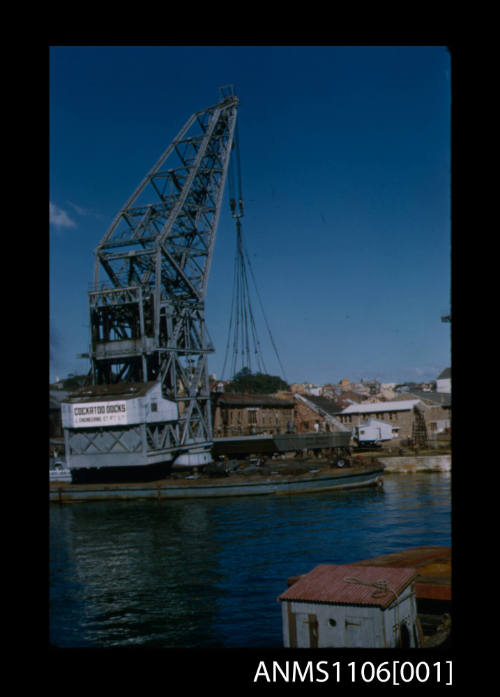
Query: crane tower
pixel 148 401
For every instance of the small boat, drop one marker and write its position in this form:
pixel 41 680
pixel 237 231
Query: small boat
pixel 248 481
pixel 58 471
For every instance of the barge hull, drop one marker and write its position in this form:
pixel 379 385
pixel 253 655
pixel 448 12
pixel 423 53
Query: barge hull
pixel 356 477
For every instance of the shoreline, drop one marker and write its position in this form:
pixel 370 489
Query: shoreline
pixel 401 464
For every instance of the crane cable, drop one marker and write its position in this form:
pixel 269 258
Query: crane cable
pixel 241 309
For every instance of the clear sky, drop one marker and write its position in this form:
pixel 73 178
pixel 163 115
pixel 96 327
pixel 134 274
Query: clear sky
pixel 345 158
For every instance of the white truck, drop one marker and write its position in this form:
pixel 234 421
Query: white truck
pixel 372 432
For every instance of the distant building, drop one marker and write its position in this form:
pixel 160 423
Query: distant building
pixel 349 397
pixel 298 387
pixel 306 388
pixel 345 384
pixel 236 414
pixel 387 390
pixel 437 413
pixel 402 415
pixel 330 391
pixel 443 382
pixel 318 414
pixel 398 413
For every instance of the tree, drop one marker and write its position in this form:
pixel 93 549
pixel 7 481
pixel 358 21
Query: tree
pixel 73 382
pixel 257 383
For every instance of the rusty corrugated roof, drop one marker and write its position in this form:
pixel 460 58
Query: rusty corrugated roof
pixel 350 585
pixel 234 399
pixel 121 390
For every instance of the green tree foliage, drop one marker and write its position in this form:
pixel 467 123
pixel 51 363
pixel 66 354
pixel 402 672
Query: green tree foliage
pixel 255 383
pixel 73 382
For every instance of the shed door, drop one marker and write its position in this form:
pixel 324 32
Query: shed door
pixel 307 630
pixel 359 631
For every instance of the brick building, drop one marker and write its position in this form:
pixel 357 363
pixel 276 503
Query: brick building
pixel 400 414
pixel 236 414
pixel 404 416
pixel 317 414
pixel 436 411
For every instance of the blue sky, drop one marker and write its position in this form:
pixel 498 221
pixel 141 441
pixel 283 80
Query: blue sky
pixel 345 156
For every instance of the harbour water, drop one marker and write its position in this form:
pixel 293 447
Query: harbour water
pixel 206 573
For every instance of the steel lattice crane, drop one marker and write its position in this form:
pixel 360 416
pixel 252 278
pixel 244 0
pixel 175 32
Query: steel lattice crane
pixel 148 337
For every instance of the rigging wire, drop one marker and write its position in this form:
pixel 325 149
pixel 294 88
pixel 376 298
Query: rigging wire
pixel 264 315
pixel 242 326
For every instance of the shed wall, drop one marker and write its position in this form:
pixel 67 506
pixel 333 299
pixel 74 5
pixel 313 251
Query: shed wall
pixel 350 626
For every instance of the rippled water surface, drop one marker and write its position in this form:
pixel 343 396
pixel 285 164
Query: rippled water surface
pixel 206 573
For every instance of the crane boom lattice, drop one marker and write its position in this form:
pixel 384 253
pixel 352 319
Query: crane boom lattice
pixel 147 311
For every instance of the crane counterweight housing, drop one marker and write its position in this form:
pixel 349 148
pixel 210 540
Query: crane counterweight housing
pixel 148 343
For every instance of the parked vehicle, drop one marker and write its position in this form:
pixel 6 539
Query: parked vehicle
pixel 372 433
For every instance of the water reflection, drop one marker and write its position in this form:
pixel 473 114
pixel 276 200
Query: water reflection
pixel 207 573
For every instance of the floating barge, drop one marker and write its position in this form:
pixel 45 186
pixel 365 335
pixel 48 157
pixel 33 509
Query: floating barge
pixel 313 481
pixel 433 565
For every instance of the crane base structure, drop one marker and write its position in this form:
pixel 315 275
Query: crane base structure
pixel 147 405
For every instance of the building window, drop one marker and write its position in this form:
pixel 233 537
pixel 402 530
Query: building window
pixel 154 406
pixel 252 416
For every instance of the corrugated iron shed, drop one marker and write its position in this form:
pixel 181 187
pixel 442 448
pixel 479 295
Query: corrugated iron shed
pixel 350 585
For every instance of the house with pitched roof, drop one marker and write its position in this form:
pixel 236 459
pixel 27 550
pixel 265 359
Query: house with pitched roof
pixel 443 382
